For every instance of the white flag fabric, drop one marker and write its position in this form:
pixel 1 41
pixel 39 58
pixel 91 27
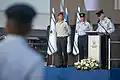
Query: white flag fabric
pixel 75 46
pixel 92 5
pixel 69 37
pixel 52 46
pixel 69 44
pixel 62 5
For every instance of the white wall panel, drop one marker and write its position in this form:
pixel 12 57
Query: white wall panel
pixel 41 21
pixel 42 7
pixel 117 4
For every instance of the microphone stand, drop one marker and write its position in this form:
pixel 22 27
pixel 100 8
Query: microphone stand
pixel 107 39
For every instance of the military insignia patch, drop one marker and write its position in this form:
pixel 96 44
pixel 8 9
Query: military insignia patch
pixel 94 45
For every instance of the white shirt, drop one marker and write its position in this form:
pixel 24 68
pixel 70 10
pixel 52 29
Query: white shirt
pixel 18 61
pixel 107 24
pixel 82 27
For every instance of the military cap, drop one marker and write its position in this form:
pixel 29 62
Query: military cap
pixel 21 12
pixel 99 13
pixel 60 13
pixel 82 14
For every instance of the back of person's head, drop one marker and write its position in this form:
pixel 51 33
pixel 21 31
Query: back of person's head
pixel 19 19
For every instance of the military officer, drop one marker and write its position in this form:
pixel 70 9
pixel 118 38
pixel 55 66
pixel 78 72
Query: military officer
pixel 104 24
pixel 81 27
pixel 17 60
pixel 63 31
pixel 106 27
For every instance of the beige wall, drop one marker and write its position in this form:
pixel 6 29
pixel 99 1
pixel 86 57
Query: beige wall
pixel 55 4
pixel 107 5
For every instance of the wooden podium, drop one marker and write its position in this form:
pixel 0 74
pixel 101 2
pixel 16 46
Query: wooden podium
pixel 98 47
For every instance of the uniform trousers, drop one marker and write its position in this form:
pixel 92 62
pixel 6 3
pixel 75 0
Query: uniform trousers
pixel 82 45
pixel 62 50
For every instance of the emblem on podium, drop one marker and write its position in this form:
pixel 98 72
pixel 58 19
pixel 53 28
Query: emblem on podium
pixel 94 45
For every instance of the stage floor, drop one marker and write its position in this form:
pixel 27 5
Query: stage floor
pixel 70 73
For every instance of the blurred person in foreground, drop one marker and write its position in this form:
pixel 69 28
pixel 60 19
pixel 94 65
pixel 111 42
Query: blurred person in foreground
pixel 17 60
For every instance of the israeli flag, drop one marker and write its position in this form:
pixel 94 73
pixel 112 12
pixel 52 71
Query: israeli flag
pixel 75 47
pixel 52 46
pixel 66 15
pixel 69 37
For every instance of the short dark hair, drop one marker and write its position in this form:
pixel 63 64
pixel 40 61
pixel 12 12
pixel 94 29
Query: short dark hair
pixel 21 13
pixel 21 16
